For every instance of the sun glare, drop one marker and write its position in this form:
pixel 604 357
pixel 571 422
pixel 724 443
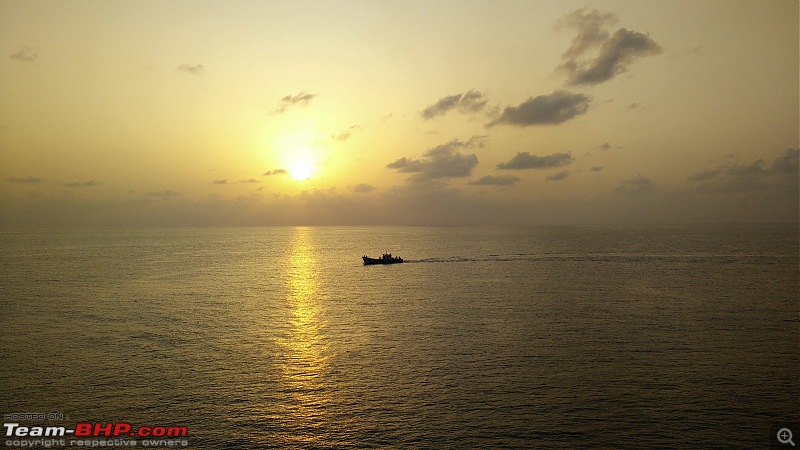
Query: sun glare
pixel 300 153
pixel 301 170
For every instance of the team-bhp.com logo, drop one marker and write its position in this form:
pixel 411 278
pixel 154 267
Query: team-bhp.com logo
pixel 91 434
pixel 88 429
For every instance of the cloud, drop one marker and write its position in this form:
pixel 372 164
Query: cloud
pixel 24 180
pixel 249 180
pixel 750 177
pixel 345 135
pixel 788 163
pixel 615 52
pixel 491 180
pixel 469 102
pixel 704 175
pixel 270 173
pixel 301 99
pixel 220 182
pixel 26 54
pixel 363 188
pixel 442 106
pixel 442 161
pixel 756 168
pixel 81 184
pixel 636 186
pixel 550 109
pixel 165 194
pixel 740 178
pixel 590 26
pixel 558 176
pixel 196 69
pixel 597 168
pixel 472 101
pixel 524 160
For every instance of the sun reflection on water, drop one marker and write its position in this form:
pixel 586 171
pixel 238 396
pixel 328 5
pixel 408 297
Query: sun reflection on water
pixel 304 359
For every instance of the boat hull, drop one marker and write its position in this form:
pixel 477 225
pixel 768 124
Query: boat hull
pixel 374 261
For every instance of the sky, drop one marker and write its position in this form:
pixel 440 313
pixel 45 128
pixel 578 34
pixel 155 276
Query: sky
pixel 215 113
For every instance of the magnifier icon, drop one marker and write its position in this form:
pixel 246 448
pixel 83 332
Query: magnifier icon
pixel 785 436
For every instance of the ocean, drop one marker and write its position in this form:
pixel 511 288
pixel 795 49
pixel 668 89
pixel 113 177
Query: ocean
pixel 486 337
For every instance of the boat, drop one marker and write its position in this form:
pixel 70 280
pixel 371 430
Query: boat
pixel 387 258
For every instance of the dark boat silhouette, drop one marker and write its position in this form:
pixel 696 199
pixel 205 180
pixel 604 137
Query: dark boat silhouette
pixel 387 258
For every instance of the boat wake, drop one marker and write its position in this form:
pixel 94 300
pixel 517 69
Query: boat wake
pixel 606 257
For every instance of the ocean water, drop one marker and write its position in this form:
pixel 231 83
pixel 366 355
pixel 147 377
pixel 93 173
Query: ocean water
pixel 498 337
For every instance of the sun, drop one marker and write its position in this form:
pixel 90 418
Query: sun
pixel 301 170
pixel 301 156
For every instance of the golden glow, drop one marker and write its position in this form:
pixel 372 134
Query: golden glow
pixel 299 152
pixel 304 359
pixel 113 134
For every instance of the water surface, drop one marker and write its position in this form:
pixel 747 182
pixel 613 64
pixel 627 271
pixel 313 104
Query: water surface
pixel 637 337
